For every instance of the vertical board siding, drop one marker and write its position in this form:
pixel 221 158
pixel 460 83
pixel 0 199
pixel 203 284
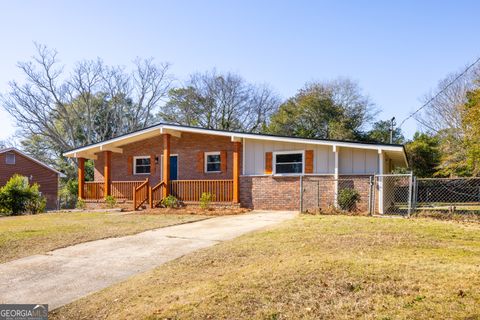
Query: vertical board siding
pixel 352 161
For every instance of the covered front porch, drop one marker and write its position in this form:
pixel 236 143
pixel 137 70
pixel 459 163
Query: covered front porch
pixel 148 190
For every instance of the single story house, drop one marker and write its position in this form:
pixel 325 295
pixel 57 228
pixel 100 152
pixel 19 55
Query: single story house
pixel 14 161
pixel 251 170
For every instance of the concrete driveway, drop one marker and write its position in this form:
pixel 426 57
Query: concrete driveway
pixel 64 275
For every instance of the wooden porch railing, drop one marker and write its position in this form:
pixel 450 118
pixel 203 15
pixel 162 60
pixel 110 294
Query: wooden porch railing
pixel 124 189
pixel 156 194
pixel 191 190
pixel 140 194
pixel 93 190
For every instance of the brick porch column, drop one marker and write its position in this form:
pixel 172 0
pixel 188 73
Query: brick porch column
pixel 107 172
pixel 166 164
pixel 236 171
pixel 81 178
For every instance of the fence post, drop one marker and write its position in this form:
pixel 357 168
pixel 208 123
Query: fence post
pixel 318 195
pixel 370 198
pixel 410 187
pixel 415 194
pixel 301 193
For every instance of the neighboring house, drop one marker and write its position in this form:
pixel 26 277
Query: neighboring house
pixel 252 170
pixel 14 161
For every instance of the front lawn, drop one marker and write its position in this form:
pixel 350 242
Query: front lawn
pixel 22 236
pixel 331 267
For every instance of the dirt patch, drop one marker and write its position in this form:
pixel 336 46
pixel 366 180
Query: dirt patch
pixel 195 211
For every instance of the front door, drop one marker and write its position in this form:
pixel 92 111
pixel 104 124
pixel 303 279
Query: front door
pixel 173 167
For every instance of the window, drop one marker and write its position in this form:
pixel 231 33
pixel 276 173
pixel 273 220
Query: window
pixel 142 165
pixel 212 161
pixel 10 158
pixel 288 162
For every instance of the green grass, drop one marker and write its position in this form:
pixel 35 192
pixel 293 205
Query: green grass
pixel 22 236
pixel 313 267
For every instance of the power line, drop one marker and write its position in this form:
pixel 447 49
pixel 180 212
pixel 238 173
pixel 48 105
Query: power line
pixel 440 92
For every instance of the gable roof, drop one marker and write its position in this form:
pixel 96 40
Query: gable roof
pixel 157 129
pixel 32 159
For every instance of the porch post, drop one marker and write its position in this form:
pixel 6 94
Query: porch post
pixel 381 161
pixel 236 172
pixel 107 172
pixel 335 176
pixel 166 164
pixel 81 178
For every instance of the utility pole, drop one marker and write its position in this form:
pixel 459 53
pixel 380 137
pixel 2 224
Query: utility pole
pixel 392 127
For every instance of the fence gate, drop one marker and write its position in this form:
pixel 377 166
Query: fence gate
pixel 393 194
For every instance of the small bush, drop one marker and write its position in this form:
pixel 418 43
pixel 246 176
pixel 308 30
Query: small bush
pixel 348 198
pixel 37 203
pixel 170 202
pixel 110 201
pixel 206 199
pixel 18 196
pixel 68 194
pixel 81 204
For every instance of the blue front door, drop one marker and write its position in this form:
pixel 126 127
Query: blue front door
pixel 173 167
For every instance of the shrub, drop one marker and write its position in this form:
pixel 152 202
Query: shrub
pixel 110 201
pixel 18 196
pixel 206 199
pixel 36 203
pixel 348 198
pixel 170 202
pixel 68 194
pixel 81 204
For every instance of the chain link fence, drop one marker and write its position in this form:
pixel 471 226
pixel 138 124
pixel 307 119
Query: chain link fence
pixel 326 194
pixel 393 194
pixel 452 195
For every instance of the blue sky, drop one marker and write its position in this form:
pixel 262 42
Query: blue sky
pixel 397 51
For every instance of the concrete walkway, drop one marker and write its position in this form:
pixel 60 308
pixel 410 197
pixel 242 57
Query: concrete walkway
pixel 64 275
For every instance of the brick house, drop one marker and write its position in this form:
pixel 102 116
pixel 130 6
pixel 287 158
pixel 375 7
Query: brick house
pixel 14 161
pixel 252 170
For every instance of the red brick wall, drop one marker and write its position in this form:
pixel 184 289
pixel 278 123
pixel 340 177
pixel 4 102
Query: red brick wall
pixel 186 147
pixel 270 193
pixel 47 179
pixel 283 193
pixel 361 183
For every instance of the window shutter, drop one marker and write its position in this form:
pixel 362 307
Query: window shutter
pixel 152 164
pixel 130 164
pixel 223 161
pixel 268 163
pixel 200 162
pixel 308 161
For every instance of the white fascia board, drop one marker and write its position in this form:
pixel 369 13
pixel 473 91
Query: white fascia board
pixel 287 139
pixel 71 154
pixel 234 137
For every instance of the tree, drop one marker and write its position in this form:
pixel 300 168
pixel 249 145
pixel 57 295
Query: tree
pixel 424 154
pixel 471 129
pixel 445 115
pixel 380 132
pixel 220 101
pixel 330 110
pixel 58 111
pixel 444 112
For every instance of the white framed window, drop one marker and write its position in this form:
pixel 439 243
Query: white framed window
pixel 288 162
pixel 10 158
pixel 141 165
pixel 213 162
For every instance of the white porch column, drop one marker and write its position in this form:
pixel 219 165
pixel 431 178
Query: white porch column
pixel 381 160
pixel 335 176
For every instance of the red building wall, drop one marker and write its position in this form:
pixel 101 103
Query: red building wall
pixel 46 178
